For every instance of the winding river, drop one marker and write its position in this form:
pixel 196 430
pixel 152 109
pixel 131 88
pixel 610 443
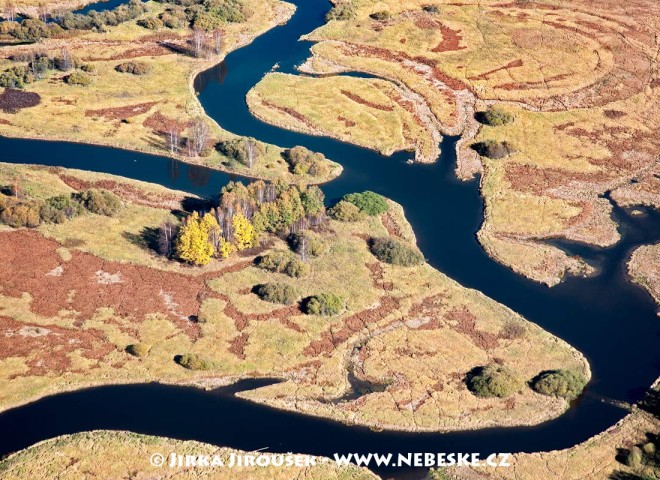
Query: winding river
pixel 612 321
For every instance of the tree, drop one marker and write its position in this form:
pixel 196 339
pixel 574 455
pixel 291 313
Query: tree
pixel 10 11
pixel 66 60
pixel 244 232
pixel 42 12
pixel 200 136
pixel 197 42
pixel 250 152
pixel 192 243
pixel 166 235
pixel 173 138
pixel 217 41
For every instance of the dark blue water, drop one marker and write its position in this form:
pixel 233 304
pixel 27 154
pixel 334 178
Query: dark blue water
pixel 610 320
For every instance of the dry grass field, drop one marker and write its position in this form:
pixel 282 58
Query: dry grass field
pixel 67 317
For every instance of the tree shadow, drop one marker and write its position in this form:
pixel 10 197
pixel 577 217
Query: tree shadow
pixel 147 238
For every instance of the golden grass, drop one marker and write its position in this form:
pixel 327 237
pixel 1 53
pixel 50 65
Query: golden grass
pixel 368 112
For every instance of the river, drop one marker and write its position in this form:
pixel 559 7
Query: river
pixel 610 320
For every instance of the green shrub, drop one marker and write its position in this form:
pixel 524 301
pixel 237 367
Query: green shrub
pixel 305 162
pixel 174 18
pixel 135 68
pixel 324 304
pixel 237 149
pixel 634 457
pixel 283 262
pixel 346 212
pixel 277 293
pixel 67 204
pixel 16 77
pixel 138 349
pixel 395 252
pixel 192 361
pixel 88 68
pixel 493 381
pixel 100 202
pixel 493 149
pixel 151 23
pixel 49 214
pixel 342 10
pixel 79 78
pixel 560 383
pixel 431 8
pixel 494 117
pixel 312 199
pixel 368 202
pixel 311 244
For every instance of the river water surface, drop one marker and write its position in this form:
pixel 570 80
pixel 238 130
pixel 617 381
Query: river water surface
pixel 610 320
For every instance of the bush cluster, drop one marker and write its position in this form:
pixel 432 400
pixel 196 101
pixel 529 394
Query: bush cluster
pixel 283 262
pixel 305 162
pixel 134 67
pixel 493 381
pixel 324 304
pixel 30 29
pixel 494 117
pixel 237 149
pixel 346 212
pixel 395 252
pixel 138 349
pixel 493 149
pixel 192 361
pixel 307 243
pixel 277 293
pixel 17 212
pixel 209 15
pixel 560 383
pixel 174 18
pixel 368 202
pixel 97 20
pixel 151 23
pixel 100 202
pixel 16 77
pixel 79 78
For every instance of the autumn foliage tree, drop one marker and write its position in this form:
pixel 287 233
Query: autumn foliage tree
pixel 193 245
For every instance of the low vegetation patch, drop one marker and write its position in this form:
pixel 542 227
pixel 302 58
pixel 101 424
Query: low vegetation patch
pixel 307 244
pixel 306 162
pixel 80 79
pixel 493 149
pixel 493 381
pixel 245 150
pixel 100 202
pixel 494 117
pixel 560 383
pixel 138 349
pixel 345 211
pixel 192 361
pixel 135 68
pixel 324 304
pixel 368 202
pixel 18 211
pixel 395 252
pixel 342 10
pixel 283 262
pixel 277 293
